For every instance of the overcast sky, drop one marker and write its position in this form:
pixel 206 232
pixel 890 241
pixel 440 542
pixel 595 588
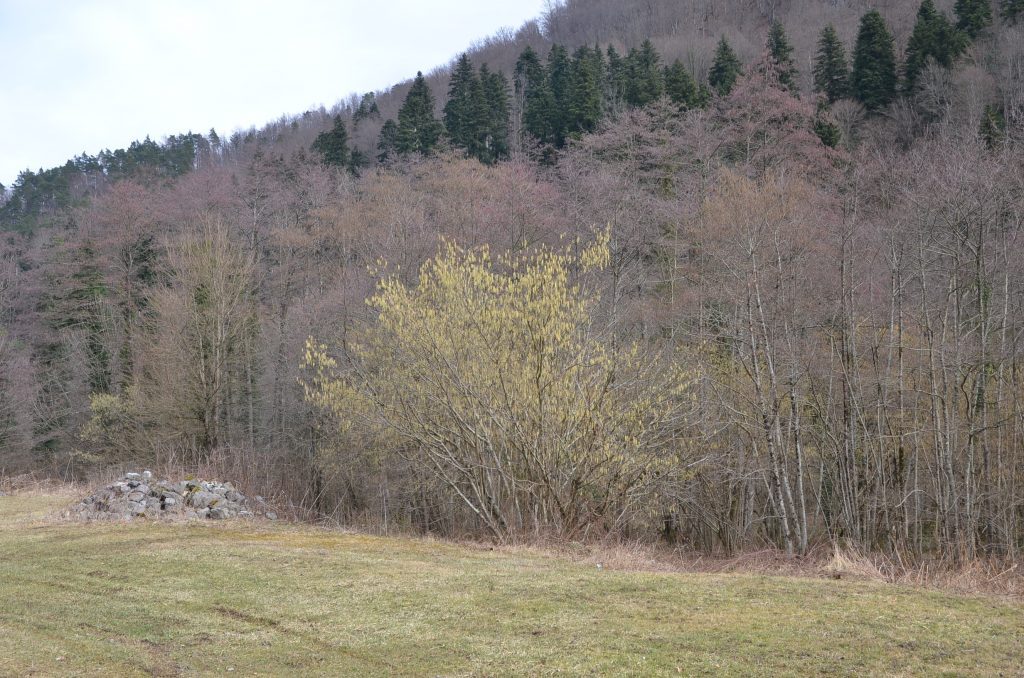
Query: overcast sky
pixel 84 75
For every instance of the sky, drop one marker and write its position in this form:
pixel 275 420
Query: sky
pixel 79 76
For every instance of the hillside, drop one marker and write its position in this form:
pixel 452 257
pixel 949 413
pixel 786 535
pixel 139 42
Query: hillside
pixel 256 599
pixel 729 276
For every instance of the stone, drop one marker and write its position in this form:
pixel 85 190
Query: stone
pixel 132 476
pixel 169 502
pixel 136 496
pixel 271 515
pixel 146 475
pixel 202 499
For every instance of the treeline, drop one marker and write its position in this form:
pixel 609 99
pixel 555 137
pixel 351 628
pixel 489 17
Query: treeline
pixel 713 324
pixel 46 192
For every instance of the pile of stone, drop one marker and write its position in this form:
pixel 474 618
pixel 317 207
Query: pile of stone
pixel 137 495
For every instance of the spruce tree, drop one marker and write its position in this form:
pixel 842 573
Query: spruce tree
pixel 993 126
pixel 559 71
pixel 531 84
pixel 459 111
pixel 831 72
pixel 418 129
pixel 615 79
pixel 1012 10
pixel 933 37
pixel 387 141
pixel 973 16
pixel 725 69
pixel 873 80
pixel 644 84
pixel 680 86
pixel 495 92
pixel 782 54
pixel 585 100
pixel 367 109
pixel 332 145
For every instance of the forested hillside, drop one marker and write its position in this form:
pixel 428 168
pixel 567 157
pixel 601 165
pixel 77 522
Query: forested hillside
pixel 727 274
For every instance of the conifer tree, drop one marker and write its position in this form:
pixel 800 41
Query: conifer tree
pixel 873 80
pixel 495 92
pixel 531 84
pixel 615 79
pixel 782 54
pixel 725 69
pixel 367 109
pixel 559 71
pixel 993 126
pixel 831 72
pixel 418 129
pixel 645 82
pixel 585 101
pixel 1012 10
pixel 387 141
pixel 459 111
pixel 973 16
pixel 680 86
pixel 933 37
pixel 332 145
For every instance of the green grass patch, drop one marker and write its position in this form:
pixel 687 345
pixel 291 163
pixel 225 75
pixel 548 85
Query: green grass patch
pixel 264 599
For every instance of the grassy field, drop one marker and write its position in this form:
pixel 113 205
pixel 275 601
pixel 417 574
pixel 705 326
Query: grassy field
pixel 265 599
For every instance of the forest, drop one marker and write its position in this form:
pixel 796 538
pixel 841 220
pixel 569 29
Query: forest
pixel 733 276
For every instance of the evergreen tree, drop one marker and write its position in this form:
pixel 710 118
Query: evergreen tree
pixel 531 86
pixel 831 72
pixel 825 127
pixel 725 69
pixel 586 100
pixel 559 71
pixel 495 92
pixel 1012 10
pixel 933 37
pixel 387 141
pixel 367 109
pixel 418 129
pixel 680 86
pixel 460 111
pixel 782 54
pixel 645 82
pixel 993 126
pixel 615 80
pixel 332 145
pixel 973 16
pixel 873 80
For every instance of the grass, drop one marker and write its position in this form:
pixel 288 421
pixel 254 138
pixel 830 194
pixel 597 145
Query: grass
pixel 266 599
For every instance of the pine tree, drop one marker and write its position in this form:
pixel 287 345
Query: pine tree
pixel 531 84
pixel 725 69
pixel 645 82
pixel 495 91
pixel 459 110
pixel 933 37
pixel 973 16
pixel 831 72
pixel 873 80
pixel 387 142
pixel 367 109
pixel 782 54
pixel 418 129
pixel 825 127
pixel 332 145
pixel 680 86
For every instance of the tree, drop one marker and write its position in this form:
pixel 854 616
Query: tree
pixel 559 73
pixel 1012 9
pixel 418 129
pixel 973 16
pixel 531 86
pixel 993 126
pixel 493 376
pixel 615 79
pixel 459 111
pixel 495 94
pixel 933 38
pixel 645 82
pixel 332 145
pixel 387 141
pixel 873 81
pixel 782 54
pixel 831 72
pixel 680 86
pixel 367 109
pixel 725 69
pixel 586 100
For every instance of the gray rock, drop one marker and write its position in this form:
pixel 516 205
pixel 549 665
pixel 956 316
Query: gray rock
pixel 202 499
pixel 169 502
pixel 132 476
pixel 147 475
pixel 235 496
pixel 219 514
pixel 136 496
pixel 135 508
pixel 271 515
